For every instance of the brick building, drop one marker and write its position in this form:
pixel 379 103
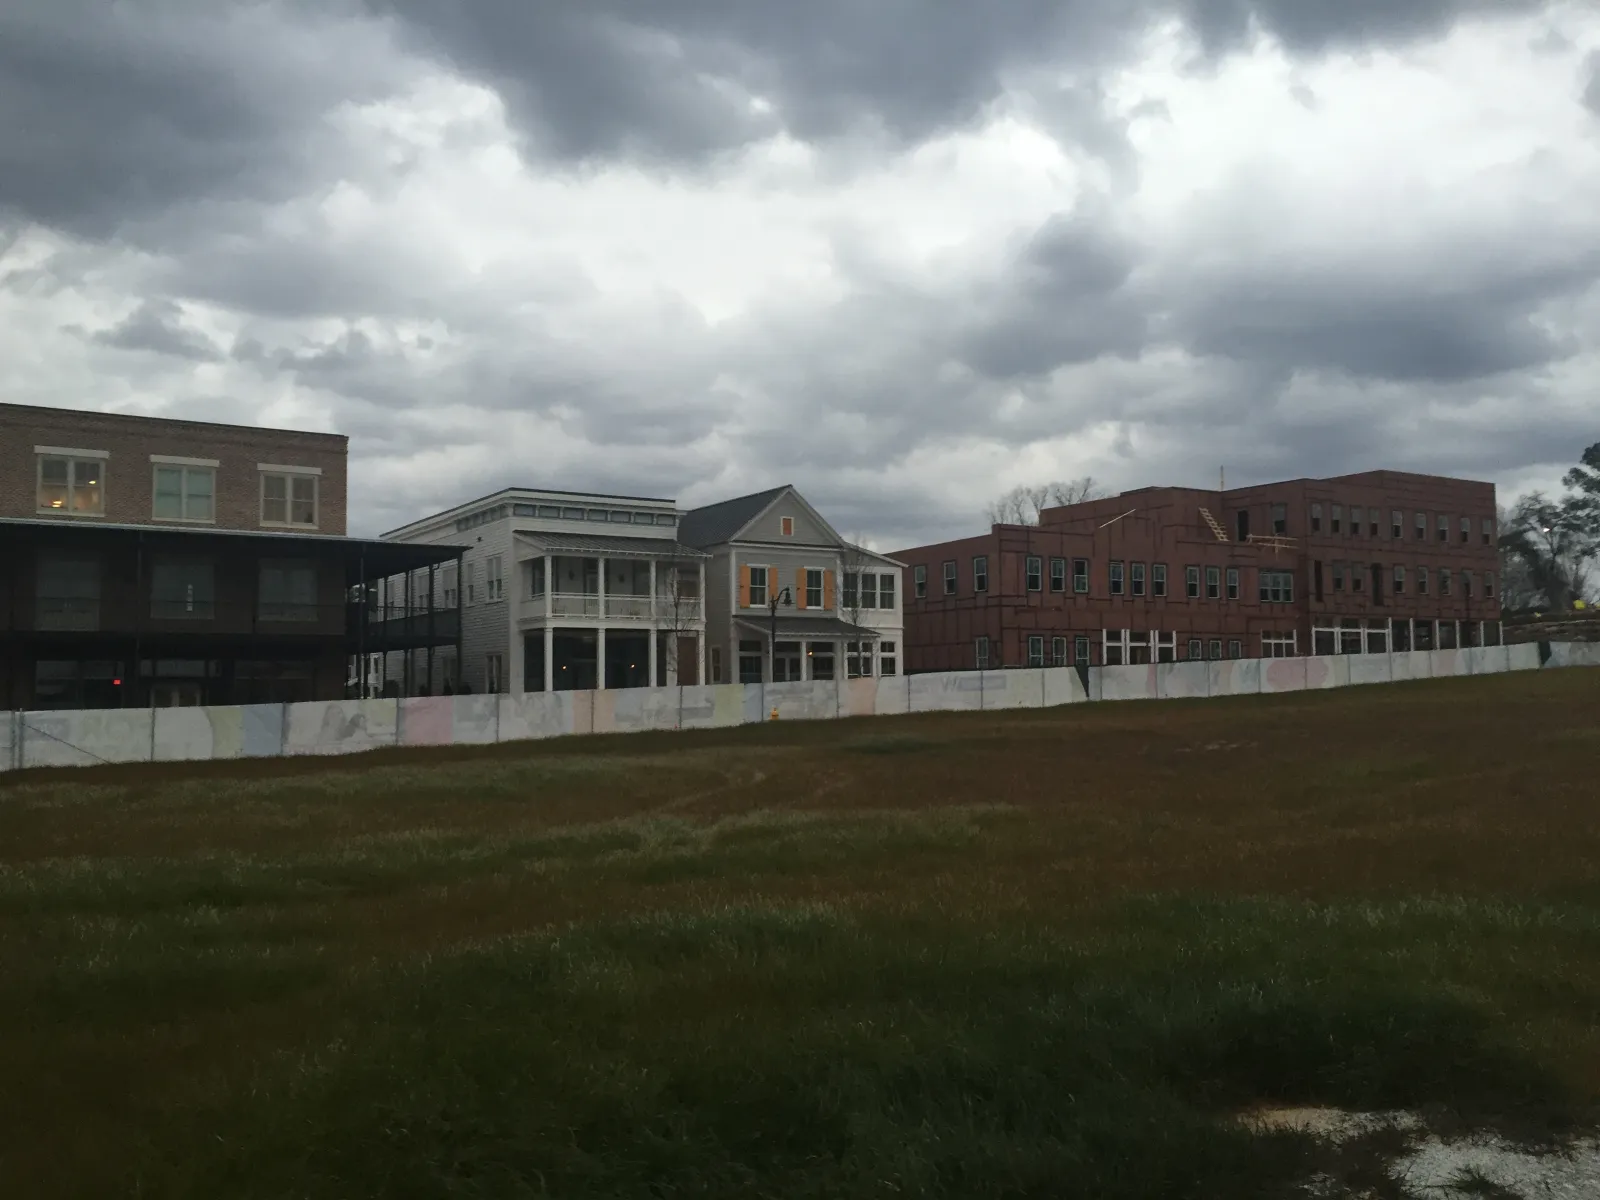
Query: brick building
pixel 1354 564
pixel 150 561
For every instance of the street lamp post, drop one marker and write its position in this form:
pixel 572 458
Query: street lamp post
pixel 778 599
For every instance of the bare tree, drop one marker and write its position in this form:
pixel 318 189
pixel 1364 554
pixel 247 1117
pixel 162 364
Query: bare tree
pixel 854 561
pixel 1023 504
pixel 678 613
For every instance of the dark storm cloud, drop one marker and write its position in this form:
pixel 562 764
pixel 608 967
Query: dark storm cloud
pixel 1062 301
pixel 157 327
pixel 1433 323
pixel 110 112
pixel 1591 91
pixel 1312 26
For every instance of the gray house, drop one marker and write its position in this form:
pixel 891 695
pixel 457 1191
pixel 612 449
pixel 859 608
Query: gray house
pixel 787 598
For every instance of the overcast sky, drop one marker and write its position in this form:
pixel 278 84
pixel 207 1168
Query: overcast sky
pixel 901 253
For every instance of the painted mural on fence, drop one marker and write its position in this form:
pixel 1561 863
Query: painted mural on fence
pixel 59 739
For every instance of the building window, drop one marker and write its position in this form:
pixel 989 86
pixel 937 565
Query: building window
pixel 850 598
pixel 1444 529
pixel 448 583
pixel 1213 583
pixel 67 593
pixel 1058 652
pixel 494 582
pixel 1338 577
pixel 288 591
pixel 867 582
pixel 1372 514
pixel 1280 520
pixel 1235 648
pixel 184 493
pixel 1035 651
pixel 950 578
pixel 596 514
pixel 1444 581
pixel 750 660
pixel 73 484
pixel 1355 577
pixel 1137 580
pixel 758 587
pixel 786 526
pixel 980 573
pixel 1214 649
pixel 1116 578
pixel 919 582
pixel 1233 583
pixel 1158 580
pixel 1488 583
pixel 980 650
pixel 1058 574
pixel 1080 650
pixel 1138 648
pixel 857 659
pixel 494 673
pixel 716 664
pixel 1336 525
pixel 1278 645
pixel 1114 647
pixel 1035 566
pixel 886 590
pixel 1488 531
pixel 183 591
pixel 1316 518
pixel 472 583
pixel 814 589
pixel 1356 517
pixel 1197 650
pixel 888 659
pixel 1080 576
pixel 1466 584
pixel 1191 582
pixel 1397 524
pixel 289 498
pixel 1466 529
pixel 1277 587
pixel 1399 581
pixel 1422 581
pixel 1422 527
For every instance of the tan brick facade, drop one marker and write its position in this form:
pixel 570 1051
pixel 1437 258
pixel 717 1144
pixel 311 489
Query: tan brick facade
pixel 127 444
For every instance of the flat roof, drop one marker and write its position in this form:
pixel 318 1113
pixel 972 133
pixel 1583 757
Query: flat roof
pixel 121 416
pixel 450 514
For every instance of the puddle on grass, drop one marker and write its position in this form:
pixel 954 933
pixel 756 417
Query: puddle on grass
pixel 1469 1167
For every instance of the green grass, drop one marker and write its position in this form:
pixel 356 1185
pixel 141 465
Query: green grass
pixel 1031 955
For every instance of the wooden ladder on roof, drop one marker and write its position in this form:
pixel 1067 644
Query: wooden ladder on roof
pixel 1216 527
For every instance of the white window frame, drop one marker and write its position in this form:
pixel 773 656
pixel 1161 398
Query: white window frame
pixel 1033 572
pixel 1196 649
pixel 980 573
pixel 1116 577
pixel 1138 574
pixel 494 580
pixel 980 651
pixel 821 577
pixel 950 577
pixel 1114 640
pixel 450 583
pixel 888 591
pixel 1165 646
pixel 764 587
pixel 289 474
pixel 72 457
pixel 919 582
pixel 1058 576
pixel 1158 581
pixel 184 467
pixel 1058 652
pixel 888 659
pixel 1280 641
pixel 1035 650
pixel 1081 652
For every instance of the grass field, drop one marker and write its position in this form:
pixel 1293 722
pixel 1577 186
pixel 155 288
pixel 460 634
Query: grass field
pixel 1030 954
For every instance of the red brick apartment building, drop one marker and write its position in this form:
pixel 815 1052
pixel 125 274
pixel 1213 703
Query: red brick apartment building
pixel 1354 564
pixel 158 562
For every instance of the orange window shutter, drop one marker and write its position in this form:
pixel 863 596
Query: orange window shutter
pixel 827 589
pixel 744 587
pixel 800 588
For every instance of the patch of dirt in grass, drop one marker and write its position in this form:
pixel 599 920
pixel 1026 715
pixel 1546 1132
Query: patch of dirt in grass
pixel 1418 1160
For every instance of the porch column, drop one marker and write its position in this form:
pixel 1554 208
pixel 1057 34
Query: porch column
pixel 700 648
pixel 549 647
pixel 516 683
pixel 652 603
pixel 653 681
pixel 549 602
pixel 600 634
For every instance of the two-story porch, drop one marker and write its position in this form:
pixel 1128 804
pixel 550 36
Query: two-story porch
pixel 608 612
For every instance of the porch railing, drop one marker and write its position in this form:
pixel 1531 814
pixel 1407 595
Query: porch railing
pixel 616 608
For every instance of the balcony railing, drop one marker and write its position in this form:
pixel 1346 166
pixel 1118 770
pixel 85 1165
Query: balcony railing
pixel 615 608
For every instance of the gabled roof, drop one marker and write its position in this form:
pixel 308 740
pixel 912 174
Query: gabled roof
pixel 718 523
